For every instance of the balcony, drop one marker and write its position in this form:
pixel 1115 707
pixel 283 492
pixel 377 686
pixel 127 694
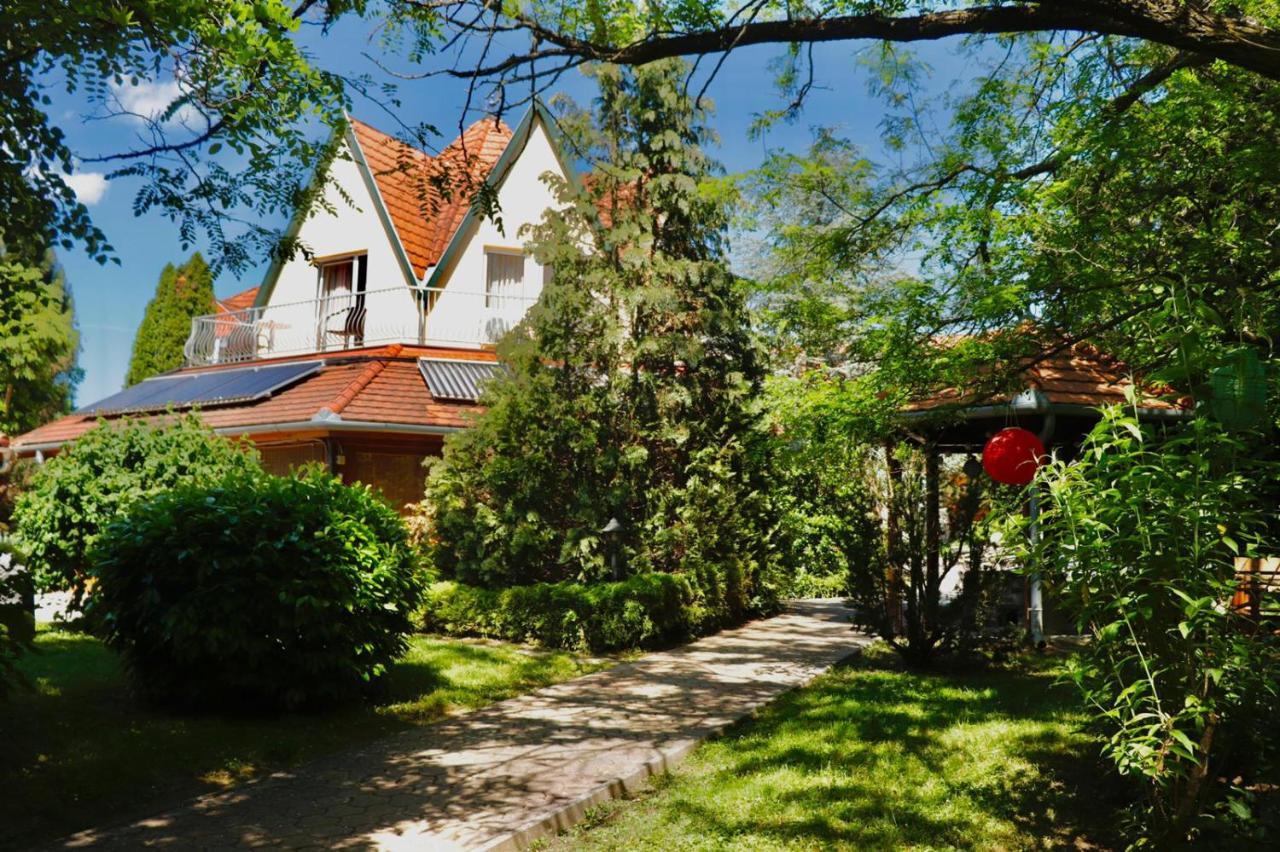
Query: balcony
pixel 414 315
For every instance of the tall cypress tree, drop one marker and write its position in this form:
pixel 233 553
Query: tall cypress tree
pixel 182 293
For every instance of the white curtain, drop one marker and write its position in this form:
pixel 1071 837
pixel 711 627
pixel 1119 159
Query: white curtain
pixel 337 283
pixel 505 278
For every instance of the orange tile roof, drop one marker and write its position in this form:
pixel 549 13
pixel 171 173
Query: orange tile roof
pixel 238 301
pixel 224 323
pixel 427 197
pixel 375 385
pixel 1078 375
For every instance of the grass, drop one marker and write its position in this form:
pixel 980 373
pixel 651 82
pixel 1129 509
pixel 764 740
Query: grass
pixel 80 750
pixel 872 757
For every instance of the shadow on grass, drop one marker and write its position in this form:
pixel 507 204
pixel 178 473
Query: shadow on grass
pixel 82 749
pixel 869 757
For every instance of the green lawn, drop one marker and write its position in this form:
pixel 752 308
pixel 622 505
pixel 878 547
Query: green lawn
pixel 80 750
pixel 871 757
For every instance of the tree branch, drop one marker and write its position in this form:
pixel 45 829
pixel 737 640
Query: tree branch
pixel 1189 26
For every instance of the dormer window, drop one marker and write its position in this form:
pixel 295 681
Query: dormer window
pixel 504 274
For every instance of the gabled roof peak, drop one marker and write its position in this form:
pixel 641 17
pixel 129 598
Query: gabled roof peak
pixel 427 197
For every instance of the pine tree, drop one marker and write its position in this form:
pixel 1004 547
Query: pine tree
pixel 182 293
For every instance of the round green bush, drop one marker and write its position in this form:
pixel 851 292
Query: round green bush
pixel 259 591
pixel 96 479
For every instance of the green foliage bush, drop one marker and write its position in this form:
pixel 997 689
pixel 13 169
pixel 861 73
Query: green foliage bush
pixel 97 479
pixel 257 591
pixel 17 621
pixel 826 495
pixel 1140 536
pixel 39 342
pixel 641 611
pixel 632 389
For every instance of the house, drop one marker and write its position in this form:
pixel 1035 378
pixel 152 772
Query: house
pixel 365 354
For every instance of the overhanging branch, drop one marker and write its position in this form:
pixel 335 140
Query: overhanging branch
pixel 1190 27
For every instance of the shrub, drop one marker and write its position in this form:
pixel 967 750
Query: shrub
pixel 644 610
pixel 96 479
pixel 259 590
pixel 17 622
pixel 1140 536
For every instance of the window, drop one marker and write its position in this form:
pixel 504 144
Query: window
pixel 340 302
pixel 504 276
pixel 337 283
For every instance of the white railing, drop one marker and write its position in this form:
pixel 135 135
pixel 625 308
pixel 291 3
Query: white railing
pixel 421 315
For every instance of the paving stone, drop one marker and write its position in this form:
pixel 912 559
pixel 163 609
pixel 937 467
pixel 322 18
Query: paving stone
pixel 501 777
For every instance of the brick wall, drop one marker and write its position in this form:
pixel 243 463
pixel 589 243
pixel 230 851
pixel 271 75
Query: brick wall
pixel 399 476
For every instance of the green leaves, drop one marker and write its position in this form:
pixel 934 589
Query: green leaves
pixel 641 611
pixel 244 82
pixel 39 343
pixel 633 386
pixel 98 477
pixel 308 621
pixel 1135 540
pixel 183 292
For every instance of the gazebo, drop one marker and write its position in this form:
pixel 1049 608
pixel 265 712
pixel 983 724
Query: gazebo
pixel 1059 401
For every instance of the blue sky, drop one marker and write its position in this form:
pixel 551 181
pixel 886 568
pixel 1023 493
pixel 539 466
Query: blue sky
pixel 110 299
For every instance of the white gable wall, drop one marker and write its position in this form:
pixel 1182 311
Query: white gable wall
pixel 353 226
pixel 460 316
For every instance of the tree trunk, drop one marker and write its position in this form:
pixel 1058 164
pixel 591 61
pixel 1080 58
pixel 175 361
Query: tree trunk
pixel 932 538
pixel 893 547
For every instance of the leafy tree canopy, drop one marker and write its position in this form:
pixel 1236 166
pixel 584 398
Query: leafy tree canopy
pixel 1096 190
pixel 96 479
pixel 236 146
pixel 183 292
pixel 245 85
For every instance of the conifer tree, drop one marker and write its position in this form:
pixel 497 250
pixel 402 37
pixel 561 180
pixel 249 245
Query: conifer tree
pixel 183 292
pixel 39 343
pixel 632 387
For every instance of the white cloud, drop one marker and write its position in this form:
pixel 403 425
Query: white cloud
pixel 149 99
pixel 89 187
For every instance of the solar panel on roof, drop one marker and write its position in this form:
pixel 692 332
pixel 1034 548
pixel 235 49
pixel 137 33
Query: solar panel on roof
pixel 133 397
pixel 213 387
pixel 258 382
pixel 456 380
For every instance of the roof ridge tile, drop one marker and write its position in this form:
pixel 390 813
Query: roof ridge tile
pixel 360 382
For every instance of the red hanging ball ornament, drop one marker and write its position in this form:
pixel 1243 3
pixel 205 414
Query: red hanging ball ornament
pixel 1012 456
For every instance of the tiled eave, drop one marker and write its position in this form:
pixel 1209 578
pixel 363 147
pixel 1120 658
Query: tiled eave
pixel 369 391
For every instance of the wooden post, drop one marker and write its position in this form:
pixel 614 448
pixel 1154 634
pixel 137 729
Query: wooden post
pixel 892 550
pixel 932 535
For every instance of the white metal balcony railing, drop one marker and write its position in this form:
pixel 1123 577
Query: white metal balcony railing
pixel 420 315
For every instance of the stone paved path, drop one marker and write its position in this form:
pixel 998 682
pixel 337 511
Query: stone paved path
pixel 504 775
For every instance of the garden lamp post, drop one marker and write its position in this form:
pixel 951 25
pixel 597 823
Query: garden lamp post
pixel 612 533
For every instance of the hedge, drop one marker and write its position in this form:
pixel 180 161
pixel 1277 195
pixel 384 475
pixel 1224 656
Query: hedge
pixel 642 611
